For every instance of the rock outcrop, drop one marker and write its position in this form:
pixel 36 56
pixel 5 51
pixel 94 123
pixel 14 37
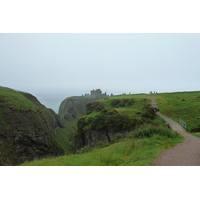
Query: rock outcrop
pixel 103 127
pixel 74 107
pixel 92 137
pixel 27 128
pixel 71 109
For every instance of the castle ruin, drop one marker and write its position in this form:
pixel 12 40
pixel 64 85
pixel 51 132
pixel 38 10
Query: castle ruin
pixel 96 94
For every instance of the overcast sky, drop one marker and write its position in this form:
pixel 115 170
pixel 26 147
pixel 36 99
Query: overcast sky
pixel 55 66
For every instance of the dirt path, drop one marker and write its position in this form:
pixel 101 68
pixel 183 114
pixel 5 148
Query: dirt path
pixel 184 154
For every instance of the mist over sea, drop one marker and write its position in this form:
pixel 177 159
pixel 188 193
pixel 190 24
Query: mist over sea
pixel 52 101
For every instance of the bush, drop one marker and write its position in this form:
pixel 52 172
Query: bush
pixel 148 111
pixel 130 102
pixel 115 103
pixel 85 149
pixel 121 104
pixel 147 131
pixel 94 106
pixel 107 120
pixel 119 136
pixel 102 144
pixel 197 129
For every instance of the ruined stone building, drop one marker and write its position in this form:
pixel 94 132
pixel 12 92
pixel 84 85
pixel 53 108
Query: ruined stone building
pixel 96 94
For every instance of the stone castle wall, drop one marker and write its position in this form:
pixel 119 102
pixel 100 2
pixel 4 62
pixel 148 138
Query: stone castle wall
pixel 96 94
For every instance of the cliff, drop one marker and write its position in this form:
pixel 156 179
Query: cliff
pixel 27 128
pixel 73 107
pixel 105 126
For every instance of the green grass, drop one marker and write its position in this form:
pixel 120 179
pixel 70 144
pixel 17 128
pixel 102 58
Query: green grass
pixel 137 151
pixel 131 151
pixel 65 136
pixel 184 105
pixel 131 111
pixel 170 104
pixel 15 100
pixel 176 105
pixel 158 120
pixel 195 134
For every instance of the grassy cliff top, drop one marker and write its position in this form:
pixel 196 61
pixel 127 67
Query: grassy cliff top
pixel 17 100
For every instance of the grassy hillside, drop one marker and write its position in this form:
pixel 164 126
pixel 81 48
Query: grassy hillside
pixel 176 105
pixel 137 151
pixel 16 100
pixel 132 151
pixel 65 136
pixel 27 128
pixel 184 105
pixel 128 151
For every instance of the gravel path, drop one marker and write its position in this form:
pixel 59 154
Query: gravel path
pixel 184 154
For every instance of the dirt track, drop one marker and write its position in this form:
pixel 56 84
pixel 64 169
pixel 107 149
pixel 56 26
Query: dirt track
pixel 184 154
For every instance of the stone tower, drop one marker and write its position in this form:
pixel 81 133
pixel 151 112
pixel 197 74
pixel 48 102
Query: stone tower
pixel 96 94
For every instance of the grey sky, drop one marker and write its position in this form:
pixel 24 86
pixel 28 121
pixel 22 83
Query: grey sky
pixel 55 66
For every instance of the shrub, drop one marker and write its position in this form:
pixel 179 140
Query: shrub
pixel 148 111
pixel 85 149
pixel 94 106
pixel 102 144
pixel 121 104
pixel 115 103
pixel 130 102
pixel 197 129
pixel 119 136
pixel 108 120
pixel 147 131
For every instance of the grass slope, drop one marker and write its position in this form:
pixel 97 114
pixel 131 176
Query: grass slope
pixel 128 152
pixel 16 100
pixel 184 105
pixel 65 136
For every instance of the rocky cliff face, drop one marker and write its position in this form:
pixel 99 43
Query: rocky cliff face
pixel 27 128
pixel 70 110
pixel 92 137
pixel 73 107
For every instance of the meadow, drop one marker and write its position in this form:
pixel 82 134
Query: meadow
pixel 143 144
pixel 181 105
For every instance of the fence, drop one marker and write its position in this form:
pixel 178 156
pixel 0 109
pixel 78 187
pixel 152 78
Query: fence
pixel 183 124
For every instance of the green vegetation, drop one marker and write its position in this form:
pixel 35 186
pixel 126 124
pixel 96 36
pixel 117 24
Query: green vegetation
pixel 115 103
pixel 94 106
pixel 148 111
pixel 105 124
pixel 108 120
pixel 27 128
pixel 176 105
pixel 131 151
pixel 16 100
pixel 147 139
pixel 65 137
pixel 148 130
pixel 184 105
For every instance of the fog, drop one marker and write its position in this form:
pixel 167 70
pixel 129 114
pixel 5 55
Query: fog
pixel 55 66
